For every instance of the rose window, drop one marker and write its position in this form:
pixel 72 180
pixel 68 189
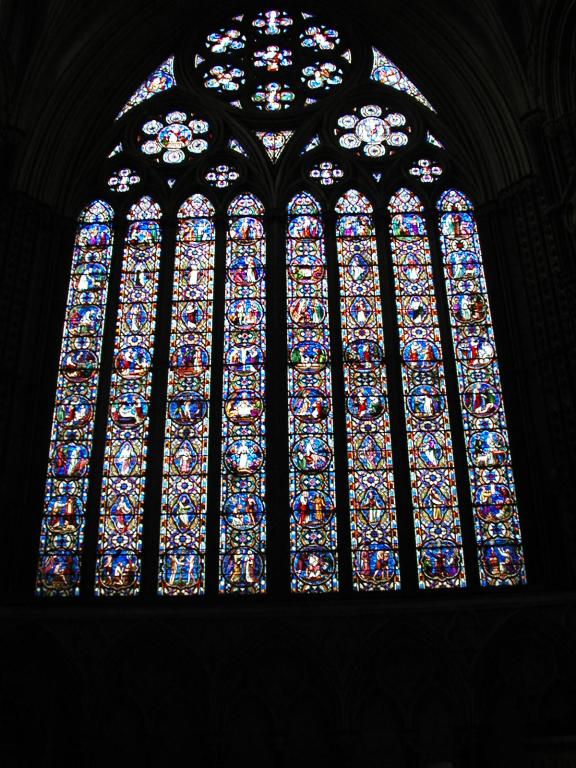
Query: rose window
pixel 260 62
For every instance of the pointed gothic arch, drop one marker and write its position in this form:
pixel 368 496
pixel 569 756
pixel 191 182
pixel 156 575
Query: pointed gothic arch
pixel 252 124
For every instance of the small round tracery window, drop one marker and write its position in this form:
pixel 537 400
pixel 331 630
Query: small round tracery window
pixel 174 137
pixel 372 131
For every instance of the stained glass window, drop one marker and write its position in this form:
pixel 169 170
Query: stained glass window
pixel 274 142
pixel 183 521
pixel 433 481
pixel 426 171
pixel 160 80
pixel 326 173
pixel 487 446
pixel 313 547
pixel 118 564
pixel 312 144
pixel 221 176
pixel 372 131
pixel 66 494
pixel 174 137
pixel 370 477
pixel 274 62
pixel 269 109
pixel 123 179
pixel 243 518
pixel 386 72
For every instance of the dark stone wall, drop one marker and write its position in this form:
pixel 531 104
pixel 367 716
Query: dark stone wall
pixel 432 683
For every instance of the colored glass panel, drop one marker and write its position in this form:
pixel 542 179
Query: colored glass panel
pixel 319 38
pixel 120 528
pixel 243 480
pixel 225 41
pixel 492 487
pixel 370 478
pixel 62 530
pixel 184 487
pixel 123 179
pixel 116 151
pixel 326 173
pixel 160 80
pixel 221 176
pixel 313 547
pixel 433 482
pixel 386 72
pixel 432 140
pixel 272 58
pixel 312 144
pixel 273 96
pixel 240 60
pixel 174 137
pixel 322 74
pixel 224 78
pixel 236 147
pixel 272 22
pixel 426 171
pixel 274 142
pixel 372 132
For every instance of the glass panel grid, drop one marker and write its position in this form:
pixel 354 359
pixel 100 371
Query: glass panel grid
pixel 496 521
pixel 313 546
pixel 372 499
pixel 433 481
pixel 243 481
pixel 62 531
pixel 184 485
pixel 118 562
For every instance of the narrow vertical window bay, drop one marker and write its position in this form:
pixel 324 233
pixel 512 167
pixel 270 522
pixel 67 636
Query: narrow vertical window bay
pixel 118 566
pixel 243 482
pixel 492 485
pixel 185 478
pixel 313 547
pixel 433 481
pixel 63 522
pixel 370 476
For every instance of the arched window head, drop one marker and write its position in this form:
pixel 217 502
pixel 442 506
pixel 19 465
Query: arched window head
pixel 433 480
pixel 373 516
pixel 313 530
pixel 118 563
pixel 243 517
pixel 71 443
pixel 278 372
pixel 187 422
pixel 492 486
